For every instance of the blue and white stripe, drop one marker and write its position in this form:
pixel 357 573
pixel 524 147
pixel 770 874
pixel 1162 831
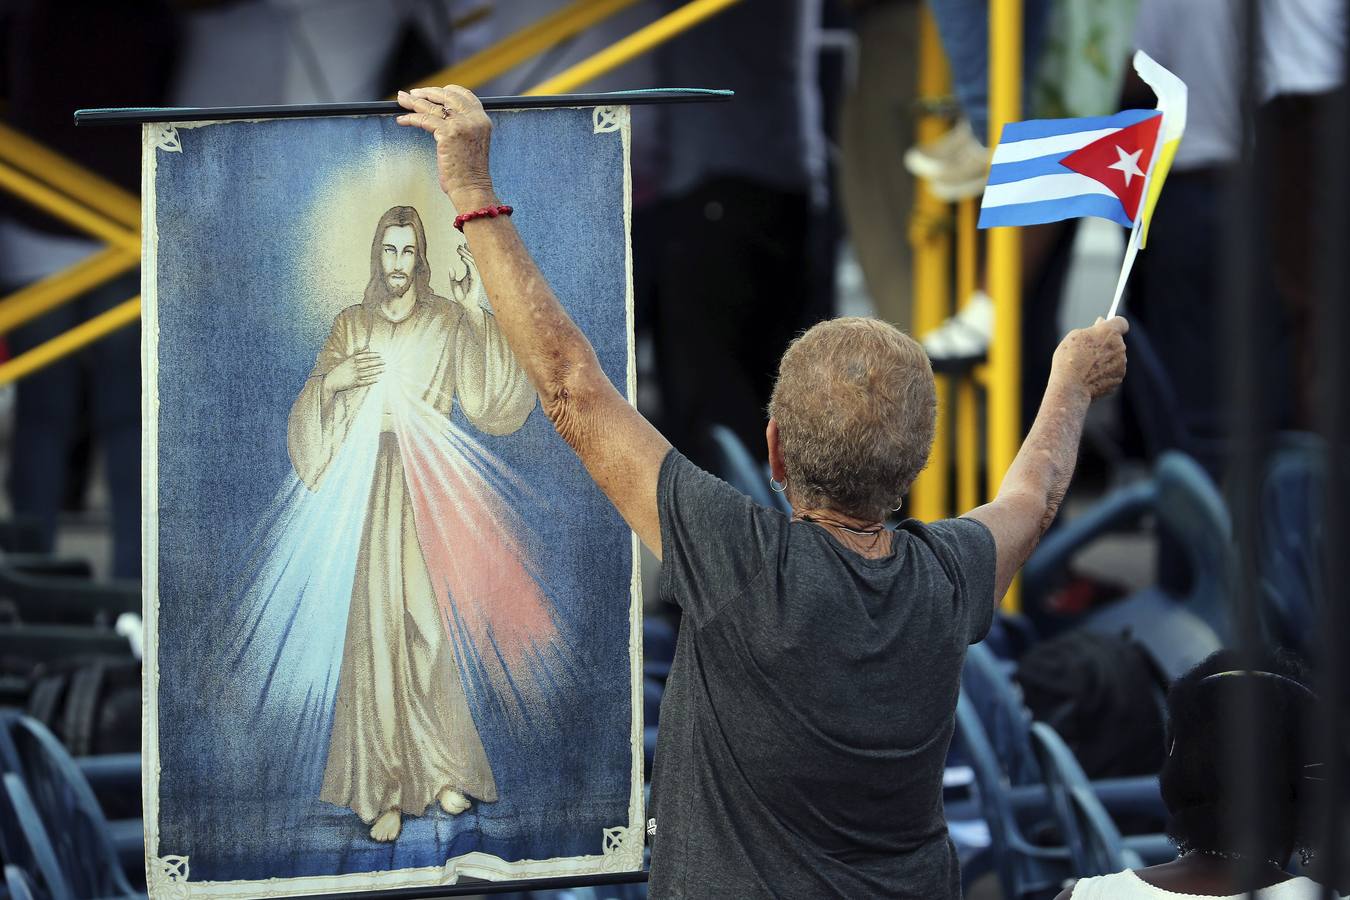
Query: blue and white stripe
pixel 1028 184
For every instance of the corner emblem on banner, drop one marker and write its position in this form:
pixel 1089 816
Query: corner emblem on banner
pixel 607 118
pixel 169 877
pixel 166 138
pixel 620 844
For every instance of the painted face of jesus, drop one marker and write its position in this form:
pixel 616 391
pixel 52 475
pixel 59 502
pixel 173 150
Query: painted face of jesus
pixel 399 257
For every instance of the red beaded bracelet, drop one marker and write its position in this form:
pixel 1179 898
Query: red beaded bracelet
pixel 487 212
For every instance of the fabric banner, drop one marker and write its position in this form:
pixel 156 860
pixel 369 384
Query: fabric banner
pixel 392 627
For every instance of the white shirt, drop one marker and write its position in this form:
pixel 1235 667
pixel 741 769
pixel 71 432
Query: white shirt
pixel 1302 46
pixel 1197 40
pixel 1129 886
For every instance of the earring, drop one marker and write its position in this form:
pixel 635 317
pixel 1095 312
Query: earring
pixel 776 486
pixel 896 507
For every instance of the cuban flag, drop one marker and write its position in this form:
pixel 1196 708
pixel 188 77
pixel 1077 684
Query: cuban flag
pixel 1052 169
pixel 1112 167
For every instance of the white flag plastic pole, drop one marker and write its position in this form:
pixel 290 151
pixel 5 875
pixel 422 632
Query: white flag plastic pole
pixel 1172 101
pixel 1131 249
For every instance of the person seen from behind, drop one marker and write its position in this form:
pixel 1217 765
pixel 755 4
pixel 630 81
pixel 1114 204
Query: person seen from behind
pixel 1204 817
pixel 808 713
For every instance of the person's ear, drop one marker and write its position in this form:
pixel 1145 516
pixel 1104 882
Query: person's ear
pixel 776 466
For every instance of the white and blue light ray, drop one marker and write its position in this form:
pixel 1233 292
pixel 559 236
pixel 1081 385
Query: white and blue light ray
pixel 287 609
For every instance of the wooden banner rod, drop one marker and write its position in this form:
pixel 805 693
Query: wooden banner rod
pixel 142 114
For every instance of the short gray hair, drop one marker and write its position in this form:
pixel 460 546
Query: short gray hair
pixel 856 406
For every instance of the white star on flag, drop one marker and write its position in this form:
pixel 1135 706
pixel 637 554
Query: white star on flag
pixel 1128 164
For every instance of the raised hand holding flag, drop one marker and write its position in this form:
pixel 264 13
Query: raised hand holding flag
pixel 1112 167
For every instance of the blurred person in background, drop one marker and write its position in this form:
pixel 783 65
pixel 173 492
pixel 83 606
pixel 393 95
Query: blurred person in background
pixel 774 772
pixel 1176 291
pixel 1199 787
pixel 1300 53
pixel 744 193
pixel 116 55
pixel 876 125
pixel 956 165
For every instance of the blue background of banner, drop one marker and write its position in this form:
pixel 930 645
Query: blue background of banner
pixel 237 338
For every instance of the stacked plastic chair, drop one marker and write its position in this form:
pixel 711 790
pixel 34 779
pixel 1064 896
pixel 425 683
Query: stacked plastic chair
pixel 1176 630
pixel 1095 844
pixel 51 825
pixel 995 731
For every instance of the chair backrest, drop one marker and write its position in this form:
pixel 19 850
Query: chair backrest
pixel 1290 548
pixel 65 803
pixel 1004 716
pixel 20 885
pixel 989 781
pixel 1190 509
pixel 27 843
pixel 738 468
pixel 1023 869
pixel 1095 844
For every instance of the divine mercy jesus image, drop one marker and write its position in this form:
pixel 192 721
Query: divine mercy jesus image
pixel 434 550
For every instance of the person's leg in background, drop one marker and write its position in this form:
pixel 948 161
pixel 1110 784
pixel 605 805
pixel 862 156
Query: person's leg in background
pixel 114 363
pixel 876 127
pixel 1175 296
pixel 964 28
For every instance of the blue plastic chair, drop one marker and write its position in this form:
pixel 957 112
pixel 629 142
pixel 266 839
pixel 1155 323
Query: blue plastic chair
pixel 658 647
pixel 1176 631
pixel 64 807
pixel 738 468
pixel 1006 720
pixel 19 885
pixel 26 844
pixel 1095 844
pixel 1024 869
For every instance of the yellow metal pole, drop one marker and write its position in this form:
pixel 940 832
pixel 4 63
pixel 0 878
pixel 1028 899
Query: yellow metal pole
pixel 96 192
pixel 72 212
pixel 76 338
pixel 32 301
pixel 967 398
pixel 529 41
pixel 637 43
pixel 1004 266
pixel 930 236
pixel 967 445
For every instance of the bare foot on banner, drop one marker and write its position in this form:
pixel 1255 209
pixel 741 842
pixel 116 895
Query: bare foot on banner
pixel 387 826
pixel 452 801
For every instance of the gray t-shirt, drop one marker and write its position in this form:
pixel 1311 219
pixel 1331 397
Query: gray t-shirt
pixel 808 713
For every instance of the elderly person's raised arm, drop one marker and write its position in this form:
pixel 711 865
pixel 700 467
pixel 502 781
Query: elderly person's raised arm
pixel 1089 363
pixel 620 449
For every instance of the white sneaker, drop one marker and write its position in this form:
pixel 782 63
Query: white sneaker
pixel 964 337
pixel 955 165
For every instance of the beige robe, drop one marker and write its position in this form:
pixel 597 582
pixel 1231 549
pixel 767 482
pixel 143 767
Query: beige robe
pixel 402 731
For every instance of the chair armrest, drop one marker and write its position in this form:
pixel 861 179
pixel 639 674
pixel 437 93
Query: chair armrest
pixel 41 564
pixel 1151 848
pixel 111 771
pixel 1115 511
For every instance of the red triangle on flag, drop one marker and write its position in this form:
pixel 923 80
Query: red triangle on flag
pixel 1120 160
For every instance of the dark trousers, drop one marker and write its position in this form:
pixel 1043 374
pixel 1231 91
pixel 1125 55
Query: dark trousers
pixel 97 389
pixel 735 279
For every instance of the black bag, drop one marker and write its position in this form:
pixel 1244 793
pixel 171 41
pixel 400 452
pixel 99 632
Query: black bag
pixel 1101 694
